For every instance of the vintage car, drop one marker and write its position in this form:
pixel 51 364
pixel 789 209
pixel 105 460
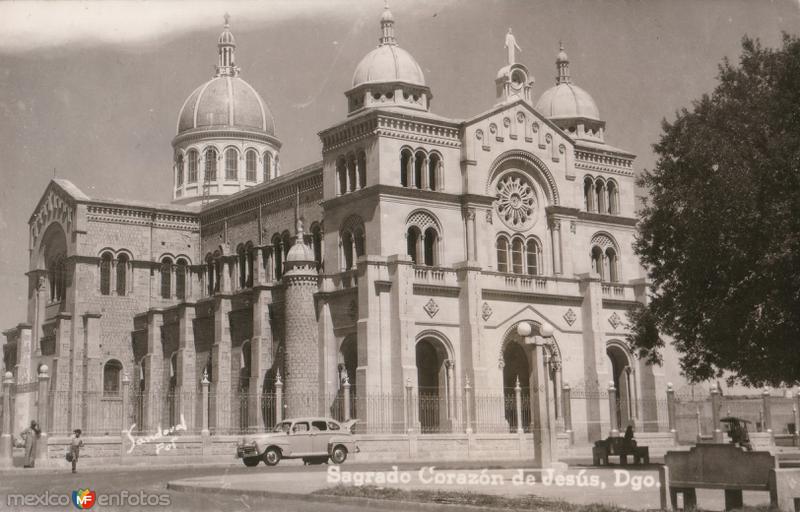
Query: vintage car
pixel 315 440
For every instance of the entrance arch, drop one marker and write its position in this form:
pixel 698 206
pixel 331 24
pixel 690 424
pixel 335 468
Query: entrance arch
pixel 621 371
pixel 516 368
pixel 432 384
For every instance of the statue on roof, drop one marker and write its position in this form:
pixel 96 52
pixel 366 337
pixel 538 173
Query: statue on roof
pixel 511 46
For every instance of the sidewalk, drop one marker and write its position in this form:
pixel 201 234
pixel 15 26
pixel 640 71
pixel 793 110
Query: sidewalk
pixel 636 489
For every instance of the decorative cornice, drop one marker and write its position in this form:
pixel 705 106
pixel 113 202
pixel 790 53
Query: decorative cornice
pixel 600 162
pixel 204 134
pixel 607 219
pixel 141 217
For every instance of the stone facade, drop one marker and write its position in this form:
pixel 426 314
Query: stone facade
pixel 404 263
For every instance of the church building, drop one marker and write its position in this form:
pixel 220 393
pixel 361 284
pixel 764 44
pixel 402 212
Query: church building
pixel 411 267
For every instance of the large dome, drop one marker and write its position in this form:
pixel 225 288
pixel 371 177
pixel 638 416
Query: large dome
pixel 567 100
pixel 388 63
pixel 225 102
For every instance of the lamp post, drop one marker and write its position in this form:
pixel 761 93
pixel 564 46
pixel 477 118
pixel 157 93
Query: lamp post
pixel 542 425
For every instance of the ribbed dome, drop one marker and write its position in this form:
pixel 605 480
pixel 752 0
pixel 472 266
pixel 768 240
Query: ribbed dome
pixel 225 102
pixel 300 252
pixel 388 63
pixel 567 100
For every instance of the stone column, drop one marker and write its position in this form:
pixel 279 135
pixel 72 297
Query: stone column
pixel 125 419
pixel 261 357
pixel 220 404
pixel 41 410
pixel 468 405
pixel 185 372
pixel 278 397
pixel 540 409
pixel 671 409
pixel 6 446
pixel 153 369
pixel 612 409
pixel 425 185
pixel 469 216
pixel 410 417
pixel 566 407
pixel 204 404
pixel 555 227
pixel 346 396
pixel 518 406
pixel 715 406
pixel 452 412
pixel 22 401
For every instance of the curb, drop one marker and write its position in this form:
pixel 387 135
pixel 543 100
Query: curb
pixel 341 500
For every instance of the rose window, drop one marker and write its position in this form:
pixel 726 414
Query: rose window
pixel 516 201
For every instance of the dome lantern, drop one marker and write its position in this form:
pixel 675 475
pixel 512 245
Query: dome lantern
pixel 227 48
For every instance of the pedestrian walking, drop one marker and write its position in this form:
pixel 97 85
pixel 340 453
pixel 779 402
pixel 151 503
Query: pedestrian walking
pixel 75 446
pixel 31 436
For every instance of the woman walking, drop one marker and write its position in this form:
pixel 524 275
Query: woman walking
pixel 31 436
pixel 75 448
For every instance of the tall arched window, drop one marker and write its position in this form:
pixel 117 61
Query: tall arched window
pixel 210 275
pixel 180 278
pixel 588 194
pixel 611 262
pixel 316 242
pixel 231 164
pixel 267 166
pixel 179 169
pixel 600 192
pixel 597 262
pixel 193 157
pixel 352 177
pixel 211 164
pixel 111 374
pixel 277 255
pixel 431 246
pixel 362 169
pixel 413 243
pixel 406 158
pixel 347 249
pixel 105 275
pixel 242 263
pixel 434 171
pixel 341 174
pixel 250 165
pixel 534 257
pixel 419 168
pixel 166 278
pixel 613 198
pixel 352 240
pixel 517 252
pixel 502 254
pixel 122 274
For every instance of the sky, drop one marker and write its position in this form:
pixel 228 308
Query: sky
pixel 90 91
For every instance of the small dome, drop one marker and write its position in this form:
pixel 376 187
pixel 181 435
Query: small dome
pixel 388 63
pixel 225 102
pixel 226 37
pixel 567 100
pixel 300 252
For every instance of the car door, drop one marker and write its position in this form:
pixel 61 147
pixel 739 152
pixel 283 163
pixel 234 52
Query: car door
pixel 320 436
pixel 300 439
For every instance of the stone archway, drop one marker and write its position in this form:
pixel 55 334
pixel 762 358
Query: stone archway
pixel 623 383
pixel 432 384
pixel 516 369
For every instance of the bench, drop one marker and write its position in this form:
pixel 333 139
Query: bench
pixel 715 466
pixel 618 447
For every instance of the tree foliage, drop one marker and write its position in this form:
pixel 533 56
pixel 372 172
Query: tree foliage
pixel 720 231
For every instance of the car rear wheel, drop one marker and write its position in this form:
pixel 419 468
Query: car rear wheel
pixel 272 456
pixel 339 454
pixel 251 461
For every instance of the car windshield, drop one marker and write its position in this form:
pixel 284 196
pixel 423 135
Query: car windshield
pixel 282 427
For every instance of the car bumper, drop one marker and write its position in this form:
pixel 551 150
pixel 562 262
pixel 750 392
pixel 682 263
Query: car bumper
pixel 246 451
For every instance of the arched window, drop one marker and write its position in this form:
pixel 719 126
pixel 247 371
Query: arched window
pixel 534 257
pixel 517 252
pixel 352 240
pixel 588 194
pixel 179 169
pixel 352 178
pixel 210 274
pixel 611 262
pixel 362 169
pixel 419 168
pixel 413 242
pixel 600 192
pixel 434 174
pixel 277 255
pixel 286 243
pixel 251 263
pixel 111 374
pixel 267 166
pixel 250 165
pixel 180 278
pixel 242 263
pixel 341 174
pixel 597 262
pixel 358 241
pixel 347 249
pixel 211 164
pixel 502 254
pixel 193 157
pixel 166 278
pixel 231 164
pixel 105 275
pixel 431 246
pixel 613 198
pixel 316 242
pixel 405 167
pixel 122 274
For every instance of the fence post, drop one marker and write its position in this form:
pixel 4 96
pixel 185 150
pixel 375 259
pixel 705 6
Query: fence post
pixel 468 405
pixel 765 397
pixel 566 397
pixel 278 397
pixel 518 405
pixel 126 381
pixel 699 425
pixel 41 411
pixel 409 408
pixel 716 404
pixel 612 409
pixel 346 386
pixel 204 405
pixel 6 446
pixel 671 409
pixel 796 410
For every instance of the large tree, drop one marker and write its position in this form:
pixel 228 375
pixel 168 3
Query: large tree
pixel 720 230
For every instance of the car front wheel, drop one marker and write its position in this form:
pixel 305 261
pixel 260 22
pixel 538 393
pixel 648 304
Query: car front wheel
pixel 251 461
pixel 272 457
pixel 339 454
